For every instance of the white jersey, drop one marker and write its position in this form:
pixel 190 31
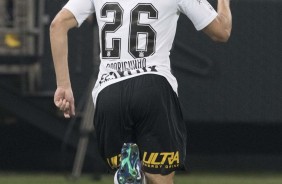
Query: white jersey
pixel 136 36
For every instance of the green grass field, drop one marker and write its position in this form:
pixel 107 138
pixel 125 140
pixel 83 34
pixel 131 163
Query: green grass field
pixel 196 178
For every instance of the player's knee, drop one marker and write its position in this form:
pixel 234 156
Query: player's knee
pixel 159 179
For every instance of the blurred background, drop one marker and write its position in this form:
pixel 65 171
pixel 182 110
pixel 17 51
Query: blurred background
pixel 231 93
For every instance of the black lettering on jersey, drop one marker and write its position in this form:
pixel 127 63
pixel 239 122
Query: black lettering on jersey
pixel 111 27
pixel 107 77
pixel 137 28
pixel 118 74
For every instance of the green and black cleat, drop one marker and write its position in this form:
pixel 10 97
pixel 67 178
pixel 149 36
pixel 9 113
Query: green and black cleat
pixel 130 166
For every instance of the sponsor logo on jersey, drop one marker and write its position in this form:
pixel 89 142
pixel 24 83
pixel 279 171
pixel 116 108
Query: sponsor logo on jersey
pixel 126 68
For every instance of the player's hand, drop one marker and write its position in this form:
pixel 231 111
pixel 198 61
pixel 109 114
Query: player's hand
pixel 64 100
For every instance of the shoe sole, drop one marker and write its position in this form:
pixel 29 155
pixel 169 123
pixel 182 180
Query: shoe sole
pixel 129 160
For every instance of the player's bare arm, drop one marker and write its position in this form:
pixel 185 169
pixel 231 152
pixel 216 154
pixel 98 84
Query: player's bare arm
pixel 220 28
pixel 59 28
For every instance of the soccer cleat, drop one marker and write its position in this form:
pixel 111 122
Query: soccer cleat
pixel 130 166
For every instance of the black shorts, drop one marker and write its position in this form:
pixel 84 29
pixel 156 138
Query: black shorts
pixel 143 110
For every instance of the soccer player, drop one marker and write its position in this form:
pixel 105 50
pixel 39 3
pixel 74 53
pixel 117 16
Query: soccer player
pixel 136 105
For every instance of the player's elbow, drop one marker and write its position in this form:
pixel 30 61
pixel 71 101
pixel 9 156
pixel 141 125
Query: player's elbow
pixel 219 29
pixel 218 34
pixel 60 24
pixel 53 27
pixel 222 36
pixel 57 25
pixel 63 22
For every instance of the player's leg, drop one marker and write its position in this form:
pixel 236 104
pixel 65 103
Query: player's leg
pixel 110 125
pixel 160 129
pixel 159 179
pixel 114 127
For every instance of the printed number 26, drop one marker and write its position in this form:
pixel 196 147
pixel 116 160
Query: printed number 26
pixel 136 29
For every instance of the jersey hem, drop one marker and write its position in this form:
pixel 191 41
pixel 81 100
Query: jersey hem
pixel 96 93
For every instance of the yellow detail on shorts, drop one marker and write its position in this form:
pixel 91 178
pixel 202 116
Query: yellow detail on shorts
pixel 154 159
pixel 174 158
pixel 157 160
pixel 114 161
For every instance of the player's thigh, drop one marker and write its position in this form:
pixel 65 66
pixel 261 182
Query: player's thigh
pixel 160 128
pixel 110 122
pixel 159 179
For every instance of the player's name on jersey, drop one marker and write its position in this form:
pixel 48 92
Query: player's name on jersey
pixel 128 65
